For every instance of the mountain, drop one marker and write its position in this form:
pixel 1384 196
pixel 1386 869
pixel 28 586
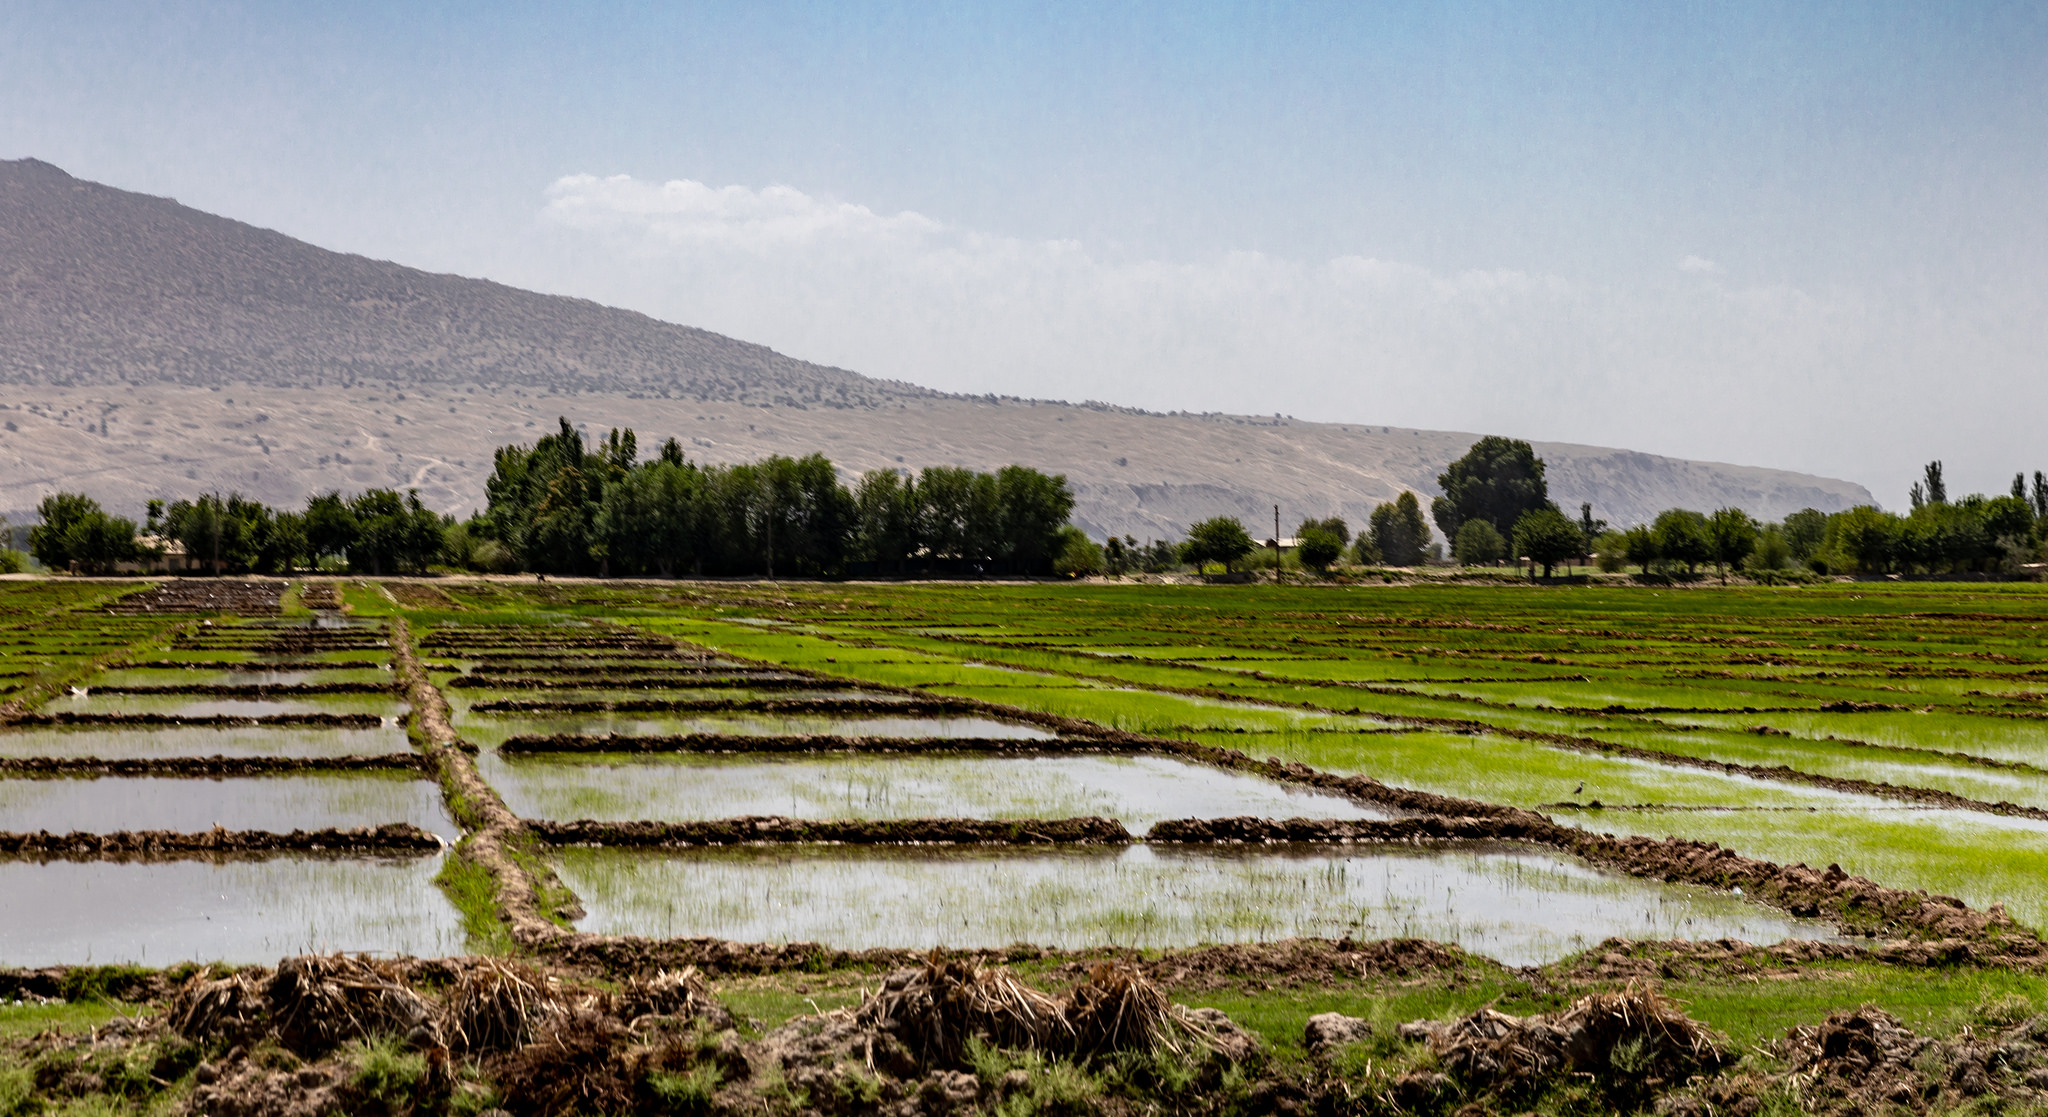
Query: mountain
pixel 149 349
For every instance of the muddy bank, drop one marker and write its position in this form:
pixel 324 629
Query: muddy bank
pixel 892 707
pixel 678 669
pixel 202 721
pixel 205 766
pixel 1346 831
pixel 771 829
pixel 391 838
pixel 489 825
pixel 796 743
pixel 322 596
pixel 204 595
pixel 633 682
pixel 246 690
pixel 241 665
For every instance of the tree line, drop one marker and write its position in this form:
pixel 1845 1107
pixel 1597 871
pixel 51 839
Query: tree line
pixel 560 506
pixel 1496 507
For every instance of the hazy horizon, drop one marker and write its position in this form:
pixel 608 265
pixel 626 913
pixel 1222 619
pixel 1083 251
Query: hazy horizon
pixel 1809 240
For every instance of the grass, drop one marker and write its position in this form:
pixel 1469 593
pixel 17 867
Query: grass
pixel 474 892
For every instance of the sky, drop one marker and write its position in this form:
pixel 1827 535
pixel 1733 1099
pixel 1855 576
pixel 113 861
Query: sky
pixel 1804 235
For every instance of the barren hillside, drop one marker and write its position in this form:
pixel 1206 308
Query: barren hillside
pixel 148 349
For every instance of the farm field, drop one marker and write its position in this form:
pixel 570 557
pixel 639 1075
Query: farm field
pixel 1400 803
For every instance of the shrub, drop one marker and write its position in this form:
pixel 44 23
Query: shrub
pixel 1547 538
pixel 1320 547
pixel 1222 539
pixel 1078 556
pixel 1478 544
pixel 12 561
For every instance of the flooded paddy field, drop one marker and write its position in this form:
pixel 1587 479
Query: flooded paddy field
pixel 160 742
pixel 304 801
pixel 1803 730
pixel 1519 906
pixel 1809 725
pixel 236 910
pixel 383 705
pixel 491 730
pixel 1135 790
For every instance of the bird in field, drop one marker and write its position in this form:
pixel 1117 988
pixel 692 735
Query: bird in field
pixel 1580 788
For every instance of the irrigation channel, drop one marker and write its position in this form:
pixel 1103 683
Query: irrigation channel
pixel 261 777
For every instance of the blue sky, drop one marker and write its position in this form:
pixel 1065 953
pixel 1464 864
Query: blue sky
pixel 1800 235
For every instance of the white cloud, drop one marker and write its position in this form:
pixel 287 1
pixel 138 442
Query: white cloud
pixel 1765 374
pixel 685 212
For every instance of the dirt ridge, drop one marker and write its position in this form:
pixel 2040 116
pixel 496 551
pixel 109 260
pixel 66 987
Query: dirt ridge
pixel 775 828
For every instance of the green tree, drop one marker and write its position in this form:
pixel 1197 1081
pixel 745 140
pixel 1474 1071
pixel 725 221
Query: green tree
pixel 1319 547
pixel 1221 539
pixel 1611 551
pixel 1335 525
pixel 330 527
pixel 1588 526
pixel 1032 519
pixel 1731 536
pixel 1478 544
pixel 1868 535
pixel 1497 480
pixel 396 535
pixel 1682 538
pixel 1399 532
pixel 1078 556
pixel 885 515
pixel 1806 532
pixel 1640 546
pixel 72 527
pixel 1546 537
pixel 1773 549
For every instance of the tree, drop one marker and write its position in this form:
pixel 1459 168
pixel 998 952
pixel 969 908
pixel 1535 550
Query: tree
pixel 1497 480
pixel 1033 511
pixel 1731 536
pixel 1546 537
pixel 1588 526
pixel 1478 544
pixel 1869 535
pixel 1399 531
pixel 1610 551
pixel 397 535
pixel 1078 555
pixel 1773 550
pixel 1639 546
pixel 885 515
pixel 330 527
pixel 2040 495
pixel 1806 531
pixel 1320 547
pixel 58 516
pixel 1221 539
pixel 1335 525
pixel 1682 537
pixel 1930 489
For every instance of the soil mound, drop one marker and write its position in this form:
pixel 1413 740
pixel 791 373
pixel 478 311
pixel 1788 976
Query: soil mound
pixel 771 828
pixel 203 595
pixel 1634 1041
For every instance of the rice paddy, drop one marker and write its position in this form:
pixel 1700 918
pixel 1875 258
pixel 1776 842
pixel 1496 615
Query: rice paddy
pixel 1135 790
pixel 1898 731
pixel 1519 906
